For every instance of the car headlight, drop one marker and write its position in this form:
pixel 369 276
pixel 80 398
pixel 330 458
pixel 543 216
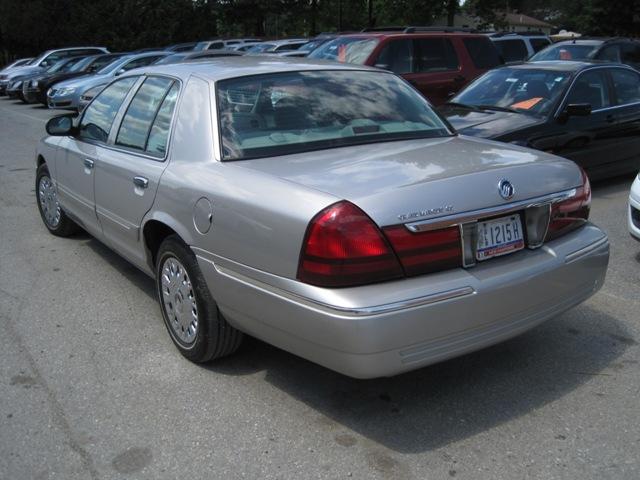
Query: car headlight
pixel 66 91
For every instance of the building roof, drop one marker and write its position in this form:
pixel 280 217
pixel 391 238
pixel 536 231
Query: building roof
pixel 525 20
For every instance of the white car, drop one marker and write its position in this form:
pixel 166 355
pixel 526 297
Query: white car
pixel 634 209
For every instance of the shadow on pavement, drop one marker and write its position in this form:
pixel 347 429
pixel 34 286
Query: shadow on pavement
pixel 447 402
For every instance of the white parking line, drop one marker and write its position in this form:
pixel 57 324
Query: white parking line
pixel 13 112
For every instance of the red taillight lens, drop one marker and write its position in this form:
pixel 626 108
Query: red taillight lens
pixel 571 213
pixel 426 252
pixel 344 247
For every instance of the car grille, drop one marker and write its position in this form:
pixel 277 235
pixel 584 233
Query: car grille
pixel 635 217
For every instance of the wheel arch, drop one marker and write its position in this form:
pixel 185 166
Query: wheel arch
pixel 155 229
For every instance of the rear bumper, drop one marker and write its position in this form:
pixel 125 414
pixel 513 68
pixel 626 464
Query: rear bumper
pixel 393 327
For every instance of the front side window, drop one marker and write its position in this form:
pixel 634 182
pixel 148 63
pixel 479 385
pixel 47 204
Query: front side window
pixel 512 50
pixel 528 91
pixel 141 112
pixel 591 88
pixel 435 55
pixel 99 115
pixel 631 53
pixel 284 113
pixel 397 56
pixel 346 49
pixel 482 52
pixel 626 85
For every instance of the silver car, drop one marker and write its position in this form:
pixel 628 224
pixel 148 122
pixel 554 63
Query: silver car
pixel 66 94
pixel 323 208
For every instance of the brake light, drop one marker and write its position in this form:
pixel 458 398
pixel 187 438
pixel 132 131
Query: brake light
pixel 426 252
pixel 571 213
pixel 344 247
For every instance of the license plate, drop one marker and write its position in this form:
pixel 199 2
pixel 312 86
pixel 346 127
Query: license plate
pixel 499 236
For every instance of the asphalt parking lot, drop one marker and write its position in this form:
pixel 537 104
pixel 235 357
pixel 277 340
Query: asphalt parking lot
pixel 92 387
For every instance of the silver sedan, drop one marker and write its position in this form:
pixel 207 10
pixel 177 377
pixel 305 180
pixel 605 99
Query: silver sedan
pixel 323 208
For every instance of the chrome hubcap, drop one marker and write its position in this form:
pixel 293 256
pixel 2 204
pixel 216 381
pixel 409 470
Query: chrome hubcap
pixel 48 199
pixel 179 300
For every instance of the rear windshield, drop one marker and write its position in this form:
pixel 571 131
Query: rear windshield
pixel 346 49
pixel 284 113
pixel 565 52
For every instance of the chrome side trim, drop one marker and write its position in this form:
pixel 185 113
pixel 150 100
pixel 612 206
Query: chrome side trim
pixel 335 309
pixel 471 216
pixel 578 254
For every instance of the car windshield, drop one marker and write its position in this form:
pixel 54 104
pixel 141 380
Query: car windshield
pixel 529 91
pixel 284 113
pixel 82 64
pixel 114 65
pixel 310 46
pixel 346 49
pixel 564 52
pixel 175 58
pixel 261 47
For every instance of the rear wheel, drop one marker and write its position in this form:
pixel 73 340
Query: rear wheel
pixel 52 214
pixel 190 313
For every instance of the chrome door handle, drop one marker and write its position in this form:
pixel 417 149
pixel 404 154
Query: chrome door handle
pixel 141 182
pixel 88 163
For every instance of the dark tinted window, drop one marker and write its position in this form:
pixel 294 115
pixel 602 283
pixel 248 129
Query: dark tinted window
pixel 631 53
pixel 435 55
pixel 626 85
pixel 98 117
pixel 512 50
pixel 136 123
pixel 590 87
pixel 396 56
pixel 159 134
pixel 539 43
pixel 482 52
pixel 610 53
pixel 215 45
pixel 102 61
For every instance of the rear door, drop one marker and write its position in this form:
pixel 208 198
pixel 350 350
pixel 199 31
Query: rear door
pixel 626 100
pixel 435 69
pixel 76 163
pixel 130 167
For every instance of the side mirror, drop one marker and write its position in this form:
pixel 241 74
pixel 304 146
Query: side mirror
pixel 61 125
pixel 578 109
pixel 120 72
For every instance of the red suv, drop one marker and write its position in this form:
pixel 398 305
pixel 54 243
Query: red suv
pixel 437 61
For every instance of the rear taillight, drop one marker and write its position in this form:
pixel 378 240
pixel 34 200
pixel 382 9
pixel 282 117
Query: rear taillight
pixel 344 247
pixel 426 252
pixel 572 213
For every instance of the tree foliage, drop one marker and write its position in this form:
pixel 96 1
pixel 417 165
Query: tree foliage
pixel 30 26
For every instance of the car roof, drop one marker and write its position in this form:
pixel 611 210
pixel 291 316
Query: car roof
pixel 563 65
pixel 221 68
pixel 426 33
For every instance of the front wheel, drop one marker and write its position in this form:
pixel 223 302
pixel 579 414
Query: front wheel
pixel 190 313
pixel 52 214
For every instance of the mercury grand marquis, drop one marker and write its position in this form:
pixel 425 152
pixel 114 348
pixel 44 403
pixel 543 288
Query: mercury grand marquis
pixel 325 209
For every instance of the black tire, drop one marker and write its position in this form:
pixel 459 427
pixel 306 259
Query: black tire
pixel 214 337
pixel 65 226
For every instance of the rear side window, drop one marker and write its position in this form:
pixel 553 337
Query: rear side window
pixel 482 52
pixel 159 134
pixel 539 43
pixel 141 112
pixel 626 85
pixel 396 56
pixel 98 116
pixel 610 54
pixel 513 50
pixel 435 55
pixel 215 46
pixel 631 53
